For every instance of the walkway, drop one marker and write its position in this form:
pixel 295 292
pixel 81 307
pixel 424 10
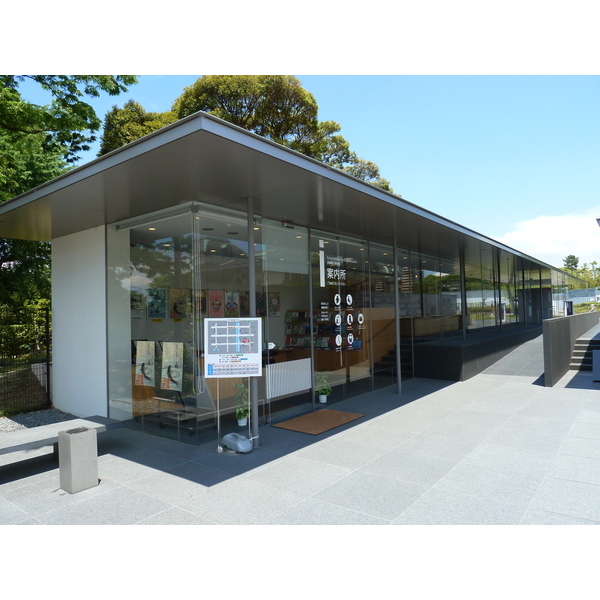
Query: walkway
pixel 497 449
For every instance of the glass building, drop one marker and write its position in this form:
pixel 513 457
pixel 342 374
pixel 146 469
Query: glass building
pixel 202 223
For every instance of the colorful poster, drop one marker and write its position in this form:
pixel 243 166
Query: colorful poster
pixel 178 303
pixel 274 304
pixel 172 366
pixel 144 363
pixel 232 304
pixel 216 305
pixel 137 303
pixel 244 304
pixel 157 303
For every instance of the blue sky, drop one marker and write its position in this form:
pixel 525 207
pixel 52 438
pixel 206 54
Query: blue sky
pixel 513 157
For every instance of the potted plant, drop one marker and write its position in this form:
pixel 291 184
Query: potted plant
pixel 322 388
pixel 242 404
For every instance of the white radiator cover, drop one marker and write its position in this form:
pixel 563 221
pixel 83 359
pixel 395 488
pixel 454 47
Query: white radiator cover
pixel 288 377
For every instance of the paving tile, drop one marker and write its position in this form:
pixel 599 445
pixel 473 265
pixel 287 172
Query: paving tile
pixel 381 497
pixel 542 517
pixel 576 468
pixel 11 514
pixel 491 483
pixel 375 437
pixel 527 438
pixel 424 470
pixel 242 502
pixel 453 449
pixel 46 495
pixel 586 430
pixel 168 488
pixel 341 453
pixel 523 460
pixel 440 507
pixel 468 425
pixel 315 512
pixel 174 516
pixel 239 464
pixel 579 446
pixel 571 498
pixel 300 475
pixel 117 506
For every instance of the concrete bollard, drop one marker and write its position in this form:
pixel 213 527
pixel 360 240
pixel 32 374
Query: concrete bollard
pixel 78 459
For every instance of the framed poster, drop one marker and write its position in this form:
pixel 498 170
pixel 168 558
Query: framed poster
pixel 144 363
pixel 232 304
pixel 171 375
pixel 137 303
pixel 178 303
pixel 216 306
pixel 157 303
pixel 274 304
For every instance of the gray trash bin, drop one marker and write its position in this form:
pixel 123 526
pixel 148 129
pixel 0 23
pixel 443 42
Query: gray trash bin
pixel 78 459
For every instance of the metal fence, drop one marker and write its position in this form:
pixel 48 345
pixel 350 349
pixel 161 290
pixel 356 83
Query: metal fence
pixel 25 360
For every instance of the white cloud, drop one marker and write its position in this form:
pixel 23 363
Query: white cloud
pixel 552 238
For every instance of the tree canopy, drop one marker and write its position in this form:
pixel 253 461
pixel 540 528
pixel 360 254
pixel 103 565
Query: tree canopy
pixel 124 125
pixel 38 143
pixel 276 107
pixel 68 122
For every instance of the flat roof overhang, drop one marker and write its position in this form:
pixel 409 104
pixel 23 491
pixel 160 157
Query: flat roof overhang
pixel 202 158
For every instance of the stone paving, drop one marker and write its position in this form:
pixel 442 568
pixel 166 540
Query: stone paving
pixel 498 449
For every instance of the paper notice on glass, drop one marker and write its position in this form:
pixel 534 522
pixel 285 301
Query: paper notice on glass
pixel 144 363
pixel 172 366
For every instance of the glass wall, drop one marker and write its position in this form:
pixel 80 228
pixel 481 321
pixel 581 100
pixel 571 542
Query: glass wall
pixel 383 309
pixel 289 322
pixel 327 310
pixel 342 315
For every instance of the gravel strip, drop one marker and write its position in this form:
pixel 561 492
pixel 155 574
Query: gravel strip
pixel 34 419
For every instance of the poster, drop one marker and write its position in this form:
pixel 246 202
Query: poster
pixel 157 303
pixel 137 303
pixel 172 366
pixel 274 304
pixel 232 304
pixel 216 306
pixel 244 304
pixel 144 363
pixel 178 303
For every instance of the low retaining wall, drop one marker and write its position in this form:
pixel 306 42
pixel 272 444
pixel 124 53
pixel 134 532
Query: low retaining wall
pixel 560 335
pixel 455 359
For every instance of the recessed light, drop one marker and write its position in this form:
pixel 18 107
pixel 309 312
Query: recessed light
pixel 208 229
pixel 151 228
pixel 233 233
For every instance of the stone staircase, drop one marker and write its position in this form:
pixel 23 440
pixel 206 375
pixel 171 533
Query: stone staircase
pixel 581 360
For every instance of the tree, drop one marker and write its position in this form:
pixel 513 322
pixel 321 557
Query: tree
pixel 279 108
pixel 68 122
pixel 37 143
pixel 570 263
pixel 124 125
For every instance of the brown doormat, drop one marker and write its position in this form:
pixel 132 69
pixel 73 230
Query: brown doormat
pixel 319 421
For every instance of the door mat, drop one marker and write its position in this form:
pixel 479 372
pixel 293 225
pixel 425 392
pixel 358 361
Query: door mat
pixel 319 421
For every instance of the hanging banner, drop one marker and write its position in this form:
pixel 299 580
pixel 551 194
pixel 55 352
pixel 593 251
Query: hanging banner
pixel 172 366
pixel 232 347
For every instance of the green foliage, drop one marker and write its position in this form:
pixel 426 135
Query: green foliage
pixel 68 122
pixel 242 401
pixel 124 125
pixel 36 145
pixel 278 108
pixel 570 263
pixel 322 387
pixel 589 273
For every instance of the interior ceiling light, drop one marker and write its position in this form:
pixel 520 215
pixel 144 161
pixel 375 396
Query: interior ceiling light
pixel 151 228
pixel 233 233
pixel 208 229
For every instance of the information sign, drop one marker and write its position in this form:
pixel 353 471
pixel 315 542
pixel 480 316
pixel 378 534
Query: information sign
pixel 232 347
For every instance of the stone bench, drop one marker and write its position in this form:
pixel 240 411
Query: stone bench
pixel 47 435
